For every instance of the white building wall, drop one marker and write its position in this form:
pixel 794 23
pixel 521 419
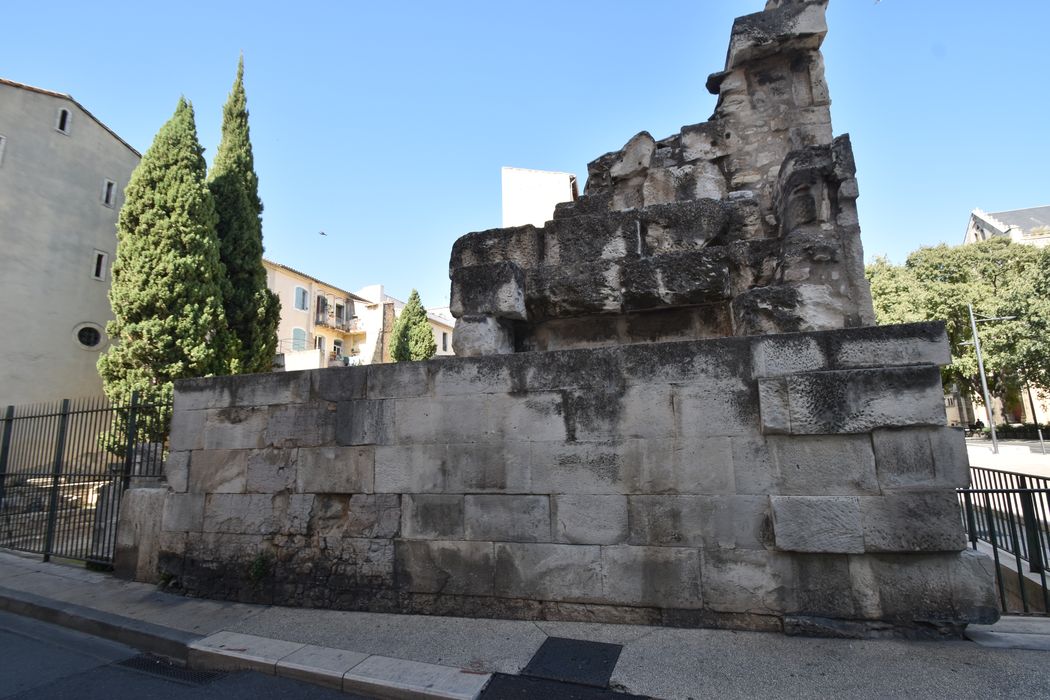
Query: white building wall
pixel 529 196
pixel 52 220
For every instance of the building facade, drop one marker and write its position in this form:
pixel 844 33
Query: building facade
pixel 62 179
pixel 529 196
pixel 1028 226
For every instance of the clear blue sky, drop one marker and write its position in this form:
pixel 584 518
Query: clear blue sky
pixel 386 124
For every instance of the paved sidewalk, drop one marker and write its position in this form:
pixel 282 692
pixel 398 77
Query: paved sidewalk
pixel 455 656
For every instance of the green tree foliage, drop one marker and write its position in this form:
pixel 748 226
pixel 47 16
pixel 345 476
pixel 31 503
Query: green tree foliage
pixel 166 292
pixel 412 337
pixel 252 310
pixel 999 278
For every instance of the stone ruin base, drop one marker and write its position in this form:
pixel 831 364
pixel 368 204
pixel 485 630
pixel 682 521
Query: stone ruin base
pixel 799 482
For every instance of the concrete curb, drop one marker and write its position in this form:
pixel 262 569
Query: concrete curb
pixel 148 637
pixel 351 671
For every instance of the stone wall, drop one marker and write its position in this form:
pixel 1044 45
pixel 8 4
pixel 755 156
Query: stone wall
pixel 743 224
pixel 798 481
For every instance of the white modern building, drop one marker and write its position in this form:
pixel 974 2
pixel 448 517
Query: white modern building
pixel 529 196
pixel 62 179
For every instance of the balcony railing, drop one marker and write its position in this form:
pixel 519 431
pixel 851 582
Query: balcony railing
pixel 340 324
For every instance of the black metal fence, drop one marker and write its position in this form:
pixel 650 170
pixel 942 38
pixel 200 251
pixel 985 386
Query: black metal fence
pixel 1007 514
pixel 63 468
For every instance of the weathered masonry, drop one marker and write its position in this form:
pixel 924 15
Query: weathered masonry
pixel 674 410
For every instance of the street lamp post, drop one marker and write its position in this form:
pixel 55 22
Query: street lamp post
pixel 980 368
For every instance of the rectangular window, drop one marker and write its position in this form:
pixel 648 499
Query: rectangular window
pixel 302 299
pixel 99 270
pixel 3 142
pixel 444 342
pixel 108 191
pixel 340 313
pixel 319 343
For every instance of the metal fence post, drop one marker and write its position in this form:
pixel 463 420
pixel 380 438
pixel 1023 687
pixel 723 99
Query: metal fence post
pixel 130 438
pixel 56 473
pixel 1031 527
pixel 5 449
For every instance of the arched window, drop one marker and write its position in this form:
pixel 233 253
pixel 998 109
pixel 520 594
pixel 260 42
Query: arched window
pixel 62 123
pixel 298 339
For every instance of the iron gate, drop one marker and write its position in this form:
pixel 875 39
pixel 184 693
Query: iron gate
pixel 63 468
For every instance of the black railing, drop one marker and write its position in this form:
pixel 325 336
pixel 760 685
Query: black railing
pixel 1007 514
pixel 63 468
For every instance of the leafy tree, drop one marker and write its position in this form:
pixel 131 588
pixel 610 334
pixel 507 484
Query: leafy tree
pixel 999 278
pixel 252 310
pixel 166 292
pixel 412 337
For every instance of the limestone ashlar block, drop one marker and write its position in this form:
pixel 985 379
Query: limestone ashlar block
pixel 563 572
pixel 336 517
pixel 912 522
pixel 794 26
pixel 397 380
pixel 716 364
pixel 747 580
pixel 824 465
pixel 496 289
pixel 335 470
pixel 661 577
pixel 559 291
pixel 361 422
pixel 676 279
pixel 889 346
pixel 586 239
pixel 447 567
pixel 339 383
pixel 453 468
pixel 242 390
pixel 521 245
pixel 917 459
pixel 218 471
pixel 432 516
pixel 955 587
pixel 177 470
pixel 681 227
pixel 701 466
pixel 476 336
pixel 271 470
pixel 505 518
pixel 854 401
pixel 787 354
pixel 740 522
pixel 232 428
pixel 589 519
pixel 825 524
pixel 489 418
pixel 303 425
pixel 183 512
pixel 257 514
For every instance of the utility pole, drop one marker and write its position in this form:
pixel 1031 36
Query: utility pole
pixel 980 367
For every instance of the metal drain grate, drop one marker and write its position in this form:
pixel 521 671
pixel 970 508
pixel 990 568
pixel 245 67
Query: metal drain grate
pixel 159 666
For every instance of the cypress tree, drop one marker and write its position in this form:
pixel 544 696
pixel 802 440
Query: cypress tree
pixel 412 337
pixel 252 310
pixel 166 292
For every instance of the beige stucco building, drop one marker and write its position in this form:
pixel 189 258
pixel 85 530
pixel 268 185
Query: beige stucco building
pixel 62 179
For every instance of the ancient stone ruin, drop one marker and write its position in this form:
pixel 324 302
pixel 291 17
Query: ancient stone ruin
pixel 675 409
pixel 741 225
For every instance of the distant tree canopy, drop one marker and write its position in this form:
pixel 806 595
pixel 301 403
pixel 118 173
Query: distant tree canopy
pixel 412 337
pixel 999 278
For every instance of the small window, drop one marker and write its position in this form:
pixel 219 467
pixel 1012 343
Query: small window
pixel 319 343
pixel 337 347
pixel 340 313
pixel 108 191
pixel 89 336
pixel 302 299
pixel 62 123
pixel 99 270
pixel 3 142
pixel 444 342
pixel 298 339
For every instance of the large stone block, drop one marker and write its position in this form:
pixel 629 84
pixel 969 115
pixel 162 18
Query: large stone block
pixel 855 401
pixel 218 471
pixel 432 516
pixel 921 458
pixel 490 418
pixel 183 512
pixel 573 290
pixel 334 517
pixel 495 289
pixel 699 521
pixel 956 588
pixel 177 470
pixel 234 428
pixel 271 470
pixel 137 538
pixel 824 465
pixel 675 279
pixel 890 346
pixel 787 354
pixel 655 576
pixel 361 422
pixel 522 245
pixel 339 383
pixel 747 580
pixel 912 522
pixel 301 425
pixel 450 568
pixel 585 239
pixel 565 572
pixel 335 470
pixel 504 518
pixel 242 390
pixel 398 380
pixel 474 336
pixel 589 519
pixel 257 514
pixel 453 468
pixel 826 524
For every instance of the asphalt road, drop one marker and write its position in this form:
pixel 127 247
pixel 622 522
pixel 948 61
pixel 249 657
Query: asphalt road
pixel 42 661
